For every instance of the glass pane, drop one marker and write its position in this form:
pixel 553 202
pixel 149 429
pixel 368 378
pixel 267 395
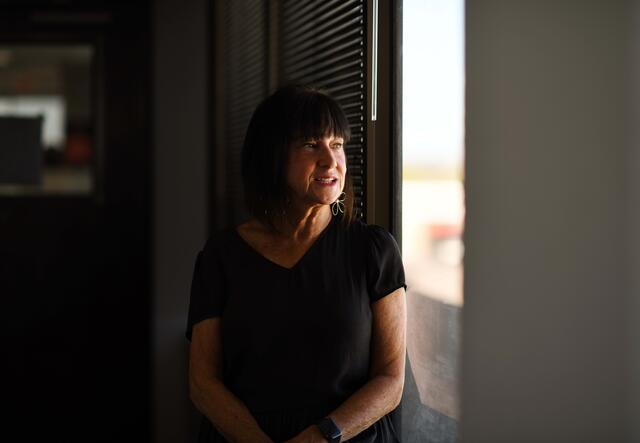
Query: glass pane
pixel 433 212
pixel 46 120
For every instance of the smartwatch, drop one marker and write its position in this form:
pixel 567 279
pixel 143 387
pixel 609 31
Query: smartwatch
pixel 330 430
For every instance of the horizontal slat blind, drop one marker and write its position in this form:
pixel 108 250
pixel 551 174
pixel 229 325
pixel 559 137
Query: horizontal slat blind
pixel 322 42
pixel 245 81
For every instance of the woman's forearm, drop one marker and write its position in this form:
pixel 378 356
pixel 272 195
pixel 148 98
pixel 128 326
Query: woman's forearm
pixel 226 412
pixel 376 398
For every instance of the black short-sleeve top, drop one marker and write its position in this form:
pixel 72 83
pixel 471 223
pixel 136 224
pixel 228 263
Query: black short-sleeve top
pixel 296 341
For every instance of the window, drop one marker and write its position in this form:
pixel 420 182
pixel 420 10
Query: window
pixel 433 210
pixel 46 119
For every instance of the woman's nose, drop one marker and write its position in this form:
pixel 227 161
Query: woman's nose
pixel 327 156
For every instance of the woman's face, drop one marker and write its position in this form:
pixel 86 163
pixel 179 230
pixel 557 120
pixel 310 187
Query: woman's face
pixel 316 170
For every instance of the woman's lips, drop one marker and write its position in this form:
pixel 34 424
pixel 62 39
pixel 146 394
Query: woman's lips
pixel 325 182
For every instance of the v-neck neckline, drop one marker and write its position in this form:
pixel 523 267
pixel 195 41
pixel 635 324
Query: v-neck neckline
pixel 279 266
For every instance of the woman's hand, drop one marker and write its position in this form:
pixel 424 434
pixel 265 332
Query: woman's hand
pixel 207 390
pixel 311 434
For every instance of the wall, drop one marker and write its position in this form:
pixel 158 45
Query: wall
pixel 549 245
pixel 180 109
pixel 633 263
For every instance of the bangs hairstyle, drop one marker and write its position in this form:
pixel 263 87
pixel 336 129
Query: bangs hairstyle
pixel 292 113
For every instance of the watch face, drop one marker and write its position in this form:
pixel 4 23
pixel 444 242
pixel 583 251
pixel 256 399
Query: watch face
pixel 330 430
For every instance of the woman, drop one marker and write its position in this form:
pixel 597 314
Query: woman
pixel 297 318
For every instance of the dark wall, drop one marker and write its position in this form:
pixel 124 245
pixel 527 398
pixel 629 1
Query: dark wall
pixel 75 270
pixel 180 128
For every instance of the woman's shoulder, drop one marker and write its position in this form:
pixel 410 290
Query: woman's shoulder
pixel 371 231
pixel 375 239
pixel 219 240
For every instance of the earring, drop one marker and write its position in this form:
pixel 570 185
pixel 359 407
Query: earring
pixel 338 205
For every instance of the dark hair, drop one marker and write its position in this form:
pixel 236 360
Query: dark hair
pixel 292 112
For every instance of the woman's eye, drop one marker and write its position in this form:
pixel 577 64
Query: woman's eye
pixel 309 145
pixel 337 146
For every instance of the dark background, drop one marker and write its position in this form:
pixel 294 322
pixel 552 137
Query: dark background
pixel 75 270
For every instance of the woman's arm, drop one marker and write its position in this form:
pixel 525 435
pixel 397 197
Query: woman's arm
pixel 382 393
pixel 227 413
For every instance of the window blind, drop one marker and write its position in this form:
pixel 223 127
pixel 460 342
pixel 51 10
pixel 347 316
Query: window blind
pixel 323 43
pixel 317 42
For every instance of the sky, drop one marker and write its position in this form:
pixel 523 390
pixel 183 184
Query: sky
pixel 433 82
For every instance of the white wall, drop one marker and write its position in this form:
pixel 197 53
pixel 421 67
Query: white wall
pixel 179 94
pixel 549 244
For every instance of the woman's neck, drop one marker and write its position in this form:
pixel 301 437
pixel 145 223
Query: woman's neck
pixel 304 224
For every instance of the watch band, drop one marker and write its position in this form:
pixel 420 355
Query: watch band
pixel 330 430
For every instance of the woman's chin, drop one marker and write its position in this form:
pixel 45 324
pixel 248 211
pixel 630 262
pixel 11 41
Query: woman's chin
pixel 325 199
pixel 329 201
